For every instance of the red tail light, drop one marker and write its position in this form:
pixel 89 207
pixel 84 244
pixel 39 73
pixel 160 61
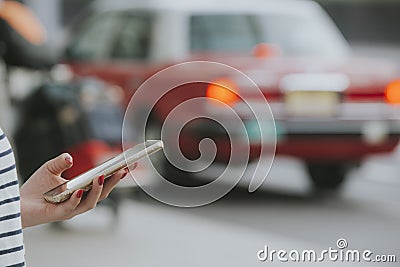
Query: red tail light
pixel 223 90
pixel 392 93
pixel 264 50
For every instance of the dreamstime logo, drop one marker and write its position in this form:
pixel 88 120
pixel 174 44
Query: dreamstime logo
pixel 214 113
pixel 341 243
pixel 338 254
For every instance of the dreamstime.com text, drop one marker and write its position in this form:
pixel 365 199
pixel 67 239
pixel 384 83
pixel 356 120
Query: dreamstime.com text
pixel 340 253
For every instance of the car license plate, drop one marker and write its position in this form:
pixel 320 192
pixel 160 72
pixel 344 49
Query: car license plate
pixel 311 103
pixel 270 131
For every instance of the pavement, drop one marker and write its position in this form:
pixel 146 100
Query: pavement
pixel 286 214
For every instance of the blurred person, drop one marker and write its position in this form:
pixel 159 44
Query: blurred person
pixel 23 38
pixel 25 207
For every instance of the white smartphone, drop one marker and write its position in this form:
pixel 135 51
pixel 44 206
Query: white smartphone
pixel 108 168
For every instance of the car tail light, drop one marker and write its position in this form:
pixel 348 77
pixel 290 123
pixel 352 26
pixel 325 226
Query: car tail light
pixel 224 90
pixel 392 92
pixel 264 50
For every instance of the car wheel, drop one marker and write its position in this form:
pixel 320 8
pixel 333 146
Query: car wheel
pixel 327 176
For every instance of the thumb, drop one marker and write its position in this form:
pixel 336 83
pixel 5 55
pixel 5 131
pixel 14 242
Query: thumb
pixel 59 164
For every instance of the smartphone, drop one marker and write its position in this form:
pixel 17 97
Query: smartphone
pixel 108 168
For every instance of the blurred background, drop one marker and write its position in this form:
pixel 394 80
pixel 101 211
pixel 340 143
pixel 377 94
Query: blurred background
pixel 336 174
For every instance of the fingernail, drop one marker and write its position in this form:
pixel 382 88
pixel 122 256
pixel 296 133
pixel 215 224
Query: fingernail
pixel 125 174
pixel 69 159
pixel 80 194
pixel 101 180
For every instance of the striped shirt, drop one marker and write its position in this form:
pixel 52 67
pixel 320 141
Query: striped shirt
pixel 11 241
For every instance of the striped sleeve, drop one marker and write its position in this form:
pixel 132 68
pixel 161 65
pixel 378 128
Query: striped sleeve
pixel 11 240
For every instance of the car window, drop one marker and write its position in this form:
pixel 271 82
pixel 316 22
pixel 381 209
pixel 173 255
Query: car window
pixel 301 35
pixel 229 33
pixel 134 40
pixel 94 40
pixel 293 34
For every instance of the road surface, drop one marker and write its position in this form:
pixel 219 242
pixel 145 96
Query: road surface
pixel 284 216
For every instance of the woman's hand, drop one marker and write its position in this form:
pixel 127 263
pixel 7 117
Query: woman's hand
pixel 35 210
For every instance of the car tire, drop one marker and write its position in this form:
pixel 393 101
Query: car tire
pixel 326 175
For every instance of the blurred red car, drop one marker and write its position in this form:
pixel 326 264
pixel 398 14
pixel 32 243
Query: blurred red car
pixel 331 109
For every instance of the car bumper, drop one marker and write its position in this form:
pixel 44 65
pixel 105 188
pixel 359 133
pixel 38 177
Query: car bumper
pixel 358 131
pixel 336 140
